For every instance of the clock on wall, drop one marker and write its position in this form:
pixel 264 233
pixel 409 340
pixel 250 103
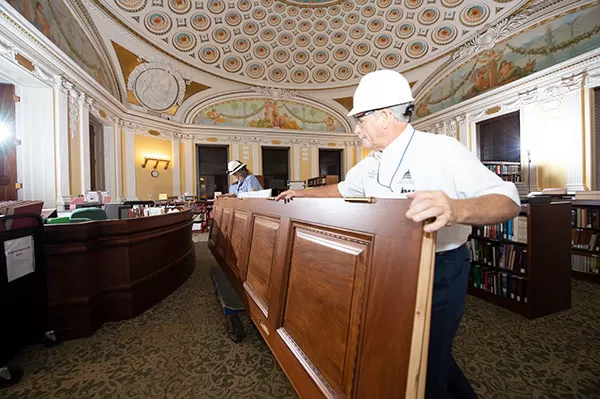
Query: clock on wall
pixel 154 173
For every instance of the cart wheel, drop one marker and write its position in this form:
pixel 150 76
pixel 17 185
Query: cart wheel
pixel 235 328
pixel 50 339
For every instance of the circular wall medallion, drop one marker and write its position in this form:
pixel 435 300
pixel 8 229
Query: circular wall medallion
pixel 300 57
pixel 303 40
pixel 368 11
pixel 375 25
pixel 405 31
pixel 267 34
pixel 343 72
pixel 209 54
pixel 221 35
pixel 428 16
pixel 320 39
pixel 474 15
pixel 277 74
pixel 200 22
pixel 233 18
pixel 321 75
pixel 335 10
pixel 241 44
pixel 131 5
pixel 157 22
pixel 384 3
pixel 216 6
pixel 259 13
pixel 299 75
pixel 306 12
pixel 320 12
pixel 352 18
pixel 383 41
pixel 281 55
pixel 413 3
pixel 365 67
pixel 255 70
pixel 289 24
pixel 320 25
pixel 394 14
pixel 339 37
pixel 444 34
pixel 293 11
pixel 347 5
pixel 341 53
pixel 285 38
pixel 154 173
pixel 232 63
pixel 336 22
pixel 416 49
pixel 184 41
pixel 180 6
pixel 274 20
pixel 279 8
pixel 261 51
pixel 390 59
pixel 250 27
pixel 266 3
pixel 154 87
pixel 321 57
pixel 244 5
pixel 357 32
pixel 361 48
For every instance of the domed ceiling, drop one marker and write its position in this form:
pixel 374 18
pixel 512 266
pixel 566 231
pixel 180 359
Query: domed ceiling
pixel 306 44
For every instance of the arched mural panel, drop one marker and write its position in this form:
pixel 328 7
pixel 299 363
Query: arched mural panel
pixel 545 45
pixel 266 113
pixel 57 23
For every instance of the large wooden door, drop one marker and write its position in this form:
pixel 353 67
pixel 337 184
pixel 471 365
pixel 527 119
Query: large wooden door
pixel 8 151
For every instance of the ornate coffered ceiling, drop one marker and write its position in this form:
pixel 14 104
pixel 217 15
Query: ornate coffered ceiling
pixel 306 44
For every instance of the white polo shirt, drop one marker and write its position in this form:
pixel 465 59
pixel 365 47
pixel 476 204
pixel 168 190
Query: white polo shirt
pixel 426 162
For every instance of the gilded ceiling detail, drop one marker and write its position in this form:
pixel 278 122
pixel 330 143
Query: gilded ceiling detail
pixel 306 43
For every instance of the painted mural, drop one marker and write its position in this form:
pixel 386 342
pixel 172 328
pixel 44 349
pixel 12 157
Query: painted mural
pixel 55 21
pixel 538 48
pixel 268 114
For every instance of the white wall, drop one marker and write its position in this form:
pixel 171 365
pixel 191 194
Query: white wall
pixel 35 155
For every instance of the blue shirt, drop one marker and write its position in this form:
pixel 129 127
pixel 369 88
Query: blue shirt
pixel 250 183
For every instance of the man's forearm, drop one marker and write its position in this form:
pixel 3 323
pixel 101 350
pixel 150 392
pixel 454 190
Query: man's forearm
pixel 329 191
pixel 485 210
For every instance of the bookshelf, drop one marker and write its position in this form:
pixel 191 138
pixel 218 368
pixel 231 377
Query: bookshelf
pixel 322 180
pixel 523 264
pixel 508 171
pixel 585 240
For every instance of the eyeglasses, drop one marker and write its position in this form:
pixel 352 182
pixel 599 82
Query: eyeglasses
pixel 359 118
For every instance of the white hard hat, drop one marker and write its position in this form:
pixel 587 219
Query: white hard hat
pixel 381 89
pixel 235 166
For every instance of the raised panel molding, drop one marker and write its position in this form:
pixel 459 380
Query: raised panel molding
pixel 260 260
pixel 326 278
pixel 236 255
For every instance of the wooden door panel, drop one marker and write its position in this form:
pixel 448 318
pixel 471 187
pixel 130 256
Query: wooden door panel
pixel 262 248
pixel 236 254
pixel 322 310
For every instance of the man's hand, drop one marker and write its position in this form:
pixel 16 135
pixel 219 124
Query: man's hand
pixel 286 196
pixel 432 204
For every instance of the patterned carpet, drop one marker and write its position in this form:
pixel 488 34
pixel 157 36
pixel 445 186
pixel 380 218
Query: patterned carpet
pixel 179 349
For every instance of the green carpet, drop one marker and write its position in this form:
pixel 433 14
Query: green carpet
pixel 179 349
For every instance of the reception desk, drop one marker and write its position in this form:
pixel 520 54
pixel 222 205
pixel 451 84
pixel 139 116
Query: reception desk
pixel 340 291
pixel 112 270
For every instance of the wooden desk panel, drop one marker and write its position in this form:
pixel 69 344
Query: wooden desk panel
pixel 346 306
pixel 112 270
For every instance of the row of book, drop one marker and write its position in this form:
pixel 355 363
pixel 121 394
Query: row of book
pixel 585 239
pixel 512 178
pixel 585 264
pixel 504 169
pixel 585 218
pixel 513 230
pixel 503 284
pixel 503 256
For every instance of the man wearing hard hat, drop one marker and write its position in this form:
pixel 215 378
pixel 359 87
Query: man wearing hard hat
pixel 245 180
pixel 446 182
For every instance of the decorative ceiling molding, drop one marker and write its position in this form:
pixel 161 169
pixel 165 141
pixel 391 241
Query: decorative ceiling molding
pixel 303 44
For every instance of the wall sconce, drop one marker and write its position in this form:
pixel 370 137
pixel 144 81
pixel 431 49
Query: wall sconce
pixel 156 162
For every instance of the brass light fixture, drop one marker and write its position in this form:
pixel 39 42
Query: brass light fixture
pixel 156 161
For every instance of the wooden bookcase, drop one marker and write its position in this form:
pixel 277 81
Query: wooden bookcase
pixel 508 171
pixel 585 240
pixel 322 181
pixel 535 278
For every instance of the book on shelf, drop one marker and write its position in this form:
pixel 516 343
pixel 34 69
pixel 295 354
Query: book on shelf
pixel 554 191
pixel 503 284
pixel 585 264
pixel 587 195
pixel 512 230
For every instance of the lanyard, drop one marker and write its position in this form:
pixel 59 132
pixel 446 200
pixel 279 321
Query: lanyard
pixel 397 167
